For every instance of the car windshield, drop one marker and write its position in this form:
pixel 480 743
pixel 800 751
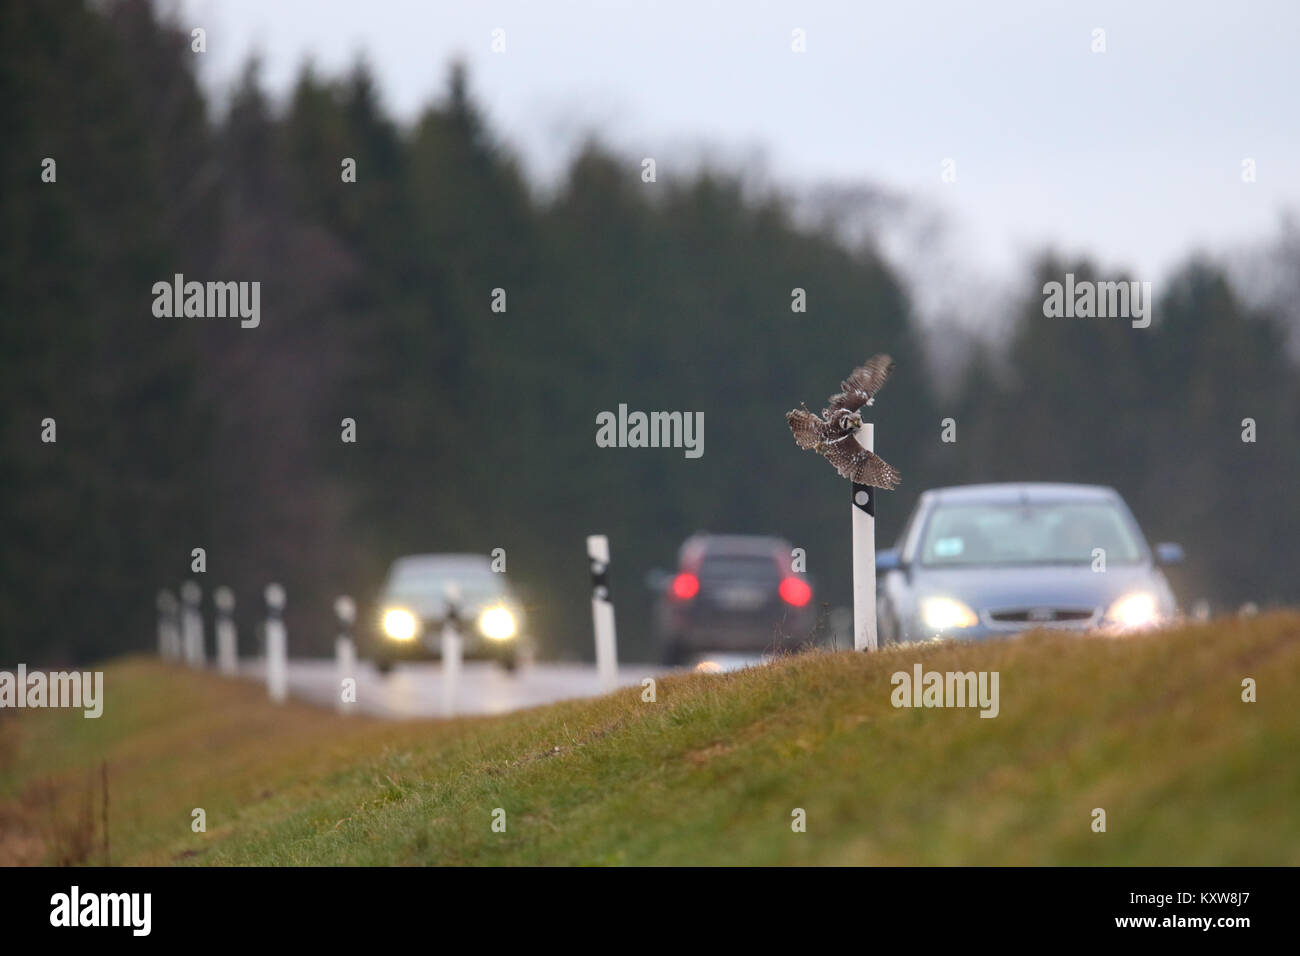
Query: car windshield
pixel 1028 533
pixel 475 583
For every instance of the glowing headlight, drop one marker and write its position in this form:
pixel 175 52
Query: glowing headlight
pixel 400 624
pixel 1134 610
pixel 497 624
pixel 942 614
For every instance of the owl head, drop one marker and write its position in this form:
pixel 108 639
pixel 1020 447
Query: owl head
pixel 845 420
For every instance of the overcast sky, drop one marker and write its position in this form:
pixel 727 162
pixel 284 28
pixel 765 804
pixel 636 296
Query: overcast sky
pixel 1133 155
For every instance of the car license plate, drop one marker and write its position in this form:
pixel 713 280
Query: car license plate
pixel 741 599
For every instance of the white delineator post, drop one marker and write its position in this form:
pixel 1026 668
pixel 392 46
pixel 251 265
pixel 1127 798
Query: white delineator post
pixel 864 554
pixel 451 650
pixel 168 634
pixel 192 623
pixel 227 655
pixel 277 651
pixel 345 649
pixel 602 612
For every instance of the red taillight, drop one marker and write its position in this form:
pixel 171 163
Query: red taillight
pixel 685 586
pixel 795 591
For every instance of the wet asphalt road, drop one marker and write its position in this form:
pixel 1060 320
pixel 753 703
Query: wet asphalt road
pixel 416 689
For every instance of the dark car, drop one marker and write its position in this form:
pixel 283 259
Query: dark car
pixel 732 593
pixel 413 606
pixel 986 561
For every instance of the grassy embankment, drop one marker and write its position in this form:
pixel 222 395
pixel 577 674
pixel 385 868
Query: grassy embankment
pixel 1152 729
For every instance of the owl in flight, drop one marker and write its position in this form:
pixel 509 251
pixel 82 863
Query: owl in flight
pixel 832 435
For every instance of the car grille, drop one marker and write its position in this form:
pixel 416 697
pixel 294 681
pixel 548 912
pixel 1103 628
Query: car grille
pixel 1042 615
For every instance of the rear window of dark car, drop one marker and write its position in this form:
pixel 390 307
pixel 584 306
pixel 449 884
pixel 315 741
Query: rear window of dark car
pixel 758 567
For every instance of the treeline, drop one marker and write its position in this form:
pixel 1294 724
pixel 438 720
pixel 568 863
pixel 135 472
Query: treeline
pixel 475 426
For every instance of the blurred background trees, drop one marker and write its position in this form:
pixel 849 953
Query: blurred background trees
pixel 476 429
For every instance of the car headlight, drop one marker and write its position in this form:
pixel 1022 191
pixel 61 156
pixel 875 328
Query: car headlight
pixel 1134 610
pixel 497 624
pixel 400 624
pixel 943 614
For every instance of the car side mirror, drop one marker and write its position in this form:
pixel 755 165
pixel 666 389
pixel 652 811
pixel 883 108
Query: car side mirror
pixel 657 580
pixel 888 560
pixel 1169 553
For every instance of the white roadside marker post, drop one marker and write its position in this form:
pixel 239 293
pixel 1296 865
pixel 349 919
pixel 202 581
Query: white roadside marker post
pixel 168 637
pixel 227 654
pixel 602 612
pixel 864 554
pixel 451 649
pixel 345 649
pixel 277 664
pixel 192 623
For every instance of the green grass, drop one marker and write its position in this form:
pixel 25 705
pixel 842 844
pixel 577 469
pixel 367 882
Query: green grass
pixel 1151 729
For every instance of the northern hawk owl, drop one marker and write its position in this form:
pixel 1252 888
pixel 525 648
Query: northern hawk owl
pixel 832 435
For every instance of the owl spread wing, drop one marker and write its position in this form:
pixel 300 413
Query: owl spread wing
pixel 808 429
pixel 863 383
pixel 855 463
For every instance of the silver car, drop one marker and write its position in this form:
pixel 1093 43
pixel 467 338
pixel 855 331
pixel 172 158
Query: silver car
pixel 984 561
pixel 414 604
